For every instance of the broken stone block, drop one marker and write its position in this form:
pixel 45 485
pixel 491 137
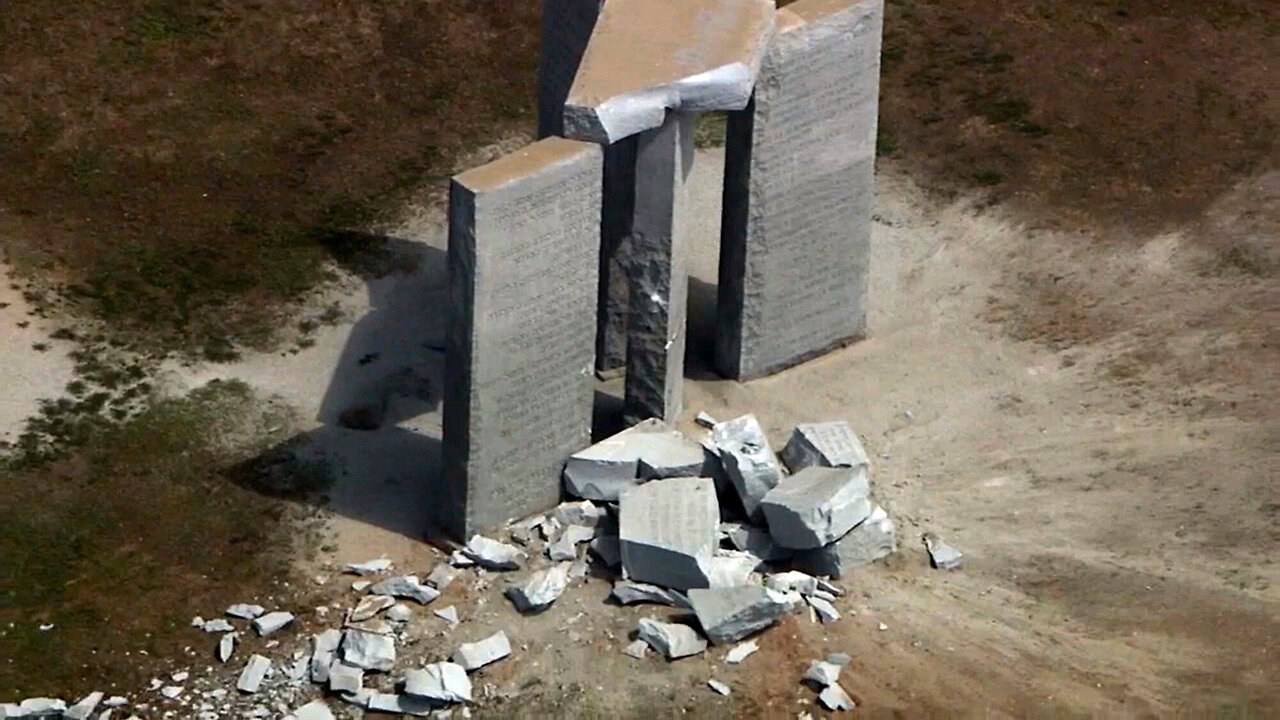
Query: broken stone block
pixel 406 586
pixel 673 640
pixel 637 649
pixel 370 567
pixel 646 451
pixel 827 612
pixel 627 592
pixel 792 580
pixel 448 614
pixel 40 707
pixel 459 559
pixel 217 626
pixel 834 698
pixel 872 539
pixel 225 646
pixel 748 461
pixel 668 532
pixel 585 513
pixel 705 420
pixel 344 678
pixel 245 612
pixel 822 673
pixel 840 659
pixel 444 682
pixel 730 614
pixel 252 675
pixel 369 650
pixel 314 710
pixel 476 655
pixel 756 541
pixel 718 686
pixel 608 550
pixel 492 554
pixel 83 709
pixel 369 606
pixel 741 652
pixel 828 444
pixel 941 555
pixel 398 704
pixel 550 528
pixel 566 547
pixel 400 613
pixel 441 577
pixel 817 506
pixel 324 648
pixel 542 589
pixel 271 622
pixel 731 568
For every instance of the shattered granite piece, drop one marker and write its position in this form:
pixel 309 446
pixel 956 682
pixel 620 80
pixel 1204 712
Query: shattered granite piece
pixel 731 568
pixel 817 506
pixel 443 681
pixel 566 546
pixel 827 612
pixel 400 613
pixel 871 540
pixel 254 671
pixel 646 451
pixel 792 580
pixel 822 673
pixel 584 513
pixel 324 648
pixel 608 549
pixel 371 567
pixel 636 649
pixel 705 420
pixel 459 559
pixel 245 611
pixel 550 528
pixel 369 606
pixel 730 614
pixel 741 652
pixel 399 704
pixel 494 555
pixel 748 461
pixel 271 622
pixel 226 646
pixel 840 659
pixel 344 678
pixel 668 532
pixel 448 614
pixel 314 710
pixel 406 586
pixel 828 444
pixel 476 655
pixel 442 576
pixel 718 686
pixel 627 592
pixel 756 541
pixel 541 589
pixel 85 707
pixel 834 698
pixel 672 640
pixel 41 707
pixel 217 626
pixel 941 555
pixel 368 650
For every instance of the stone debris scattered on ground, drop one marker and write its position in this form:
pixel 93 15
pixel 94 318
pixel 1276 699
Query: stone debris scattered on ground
pixel 400 613
pixel 476 655
pixel 828 444
pixel 255 671
pixel 217 625
pixel 941 555
pixel 741 652
pixel 626 592
pixel 646 451
pixel 85 707
pixel 817 506
pixel 448 614
pixel 637 649
pixel 718 686
pixel 494 555
pixel 827 612
pixel 445 682
pixel 405 586
pixel 314 710
pixel 370 646
pixel 442 576
pixel 271 622
pixel 541 589
pixel 673 640
pixel 748 461
pixel 822 673
pixel 834 698
pixel 371 567
pixel 730 614
pixel 369 606
pixel 245 611
pixel 226 646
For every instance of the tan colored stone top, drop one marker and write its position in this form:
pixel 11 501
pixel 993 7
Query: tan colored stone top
pixel 647 56
pixel 807 11
pixel 529 160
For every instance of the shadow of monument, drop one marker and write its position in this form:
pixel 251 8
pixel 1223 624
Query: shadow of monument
pixel 700 345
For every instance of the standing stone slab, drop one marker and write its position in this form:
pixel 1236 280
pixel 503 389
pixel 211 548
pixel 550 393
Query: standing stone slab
pixel 796 226
pixel 523 244
pixel 659 271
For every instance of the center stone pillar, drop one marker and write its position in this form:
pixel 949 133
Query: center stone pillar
pixel 658 265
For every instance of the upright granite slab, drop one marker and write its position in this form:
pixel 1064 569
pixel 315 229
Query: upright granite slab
pixel 617 218
pixel 796 226
pixel 523 254
pixel 658 260
pixel 566 29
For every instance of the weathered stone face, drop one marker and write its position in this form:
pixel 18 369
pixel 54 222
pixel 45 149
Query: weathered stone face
pixel 523 261
pixel 668 530
pixel 799 161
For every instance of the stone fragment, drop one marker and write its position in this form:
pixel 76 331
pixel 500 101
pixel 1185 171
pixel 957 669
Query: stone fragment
pixel 840 659
pixel 369 567
pixel 116 701
pixel 369 606
pixel 541 589
pixel 756 541
pixel 828 444
pixel 406 586
pixel 566 546
pixel 705 420
pixel 585 513
pixel 444 681
pixel 368 650
pixel 748 461
pixel 253 673
pixel 459 559
pixel 648 450
pixel 941 555
pixel 314 710
pixel 441 577
pixel 730 614
pixel 245 611
pixel 795 240
pixel 834 698
pixel 822 673
pixel 476 655
pixel 217 626
pixel 41 707
pixel 226 646
pixel 494 555
pixel 448 614
pixel 85 707
pixel 817 506
pixel 627 592
pixel 718 686
pixel 731 568
pixel 668 530
pixel 522 532
pixel 271 622
pixel 608 549
pixel 871 540
pixel 636 649
pixel 741 652
pixel 827 612
pixel 398 704
pixel 521 327
pixel 792 580
pixel 550 528
pixel 344 678
pixel 361 585
pixel 674 641
pixel 687 68
pixel 400 613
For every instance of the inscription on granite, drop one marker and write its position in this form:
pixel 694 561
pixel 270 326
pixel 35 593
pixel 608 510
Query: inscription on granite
pixel 566 28
pixel 523 244
pixel 796 226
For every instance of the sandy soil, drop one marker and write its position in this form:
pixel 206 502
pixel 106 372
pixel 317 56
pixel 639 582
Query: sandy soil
pixel 30 373
pixel 1101 445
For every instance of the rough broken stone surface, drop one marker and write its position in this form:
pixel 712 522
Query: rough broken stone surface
pixel 405 586
pixel 941 555
pixel 671 639
pixel 731 568
pixel 85 707
pixel 584 513
pixel 566 546
pixel 718 686
pixel 369 567
pixel 400 613
pixel 448 614
pixel 271 622
pixel 40 707
pixel 521 326
pixel 253 673
pixel 226 645
pixel 369 650
pixel 245 611
pixel 345 678
pixel 817 506
pixel 834 698
pixel 756 541
pixel 741 652
pixel 822 673
pixel 459 559
pixel 792 580
pixel 398 704
pixel 314 710
pixel 730 614
pixel 217 625
pixel 636 649
pixel 476 655
pixel 668 532
pixel 871 540
pixel 700 55
pixel 444 681
pixel 627 592
pixel 441 576
pixel 494 555
pixel 541 589
pixel 645 451
pixel 748 461
pixel 828 444
pixel 827 612
pixel 369 606
pixel 795 240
